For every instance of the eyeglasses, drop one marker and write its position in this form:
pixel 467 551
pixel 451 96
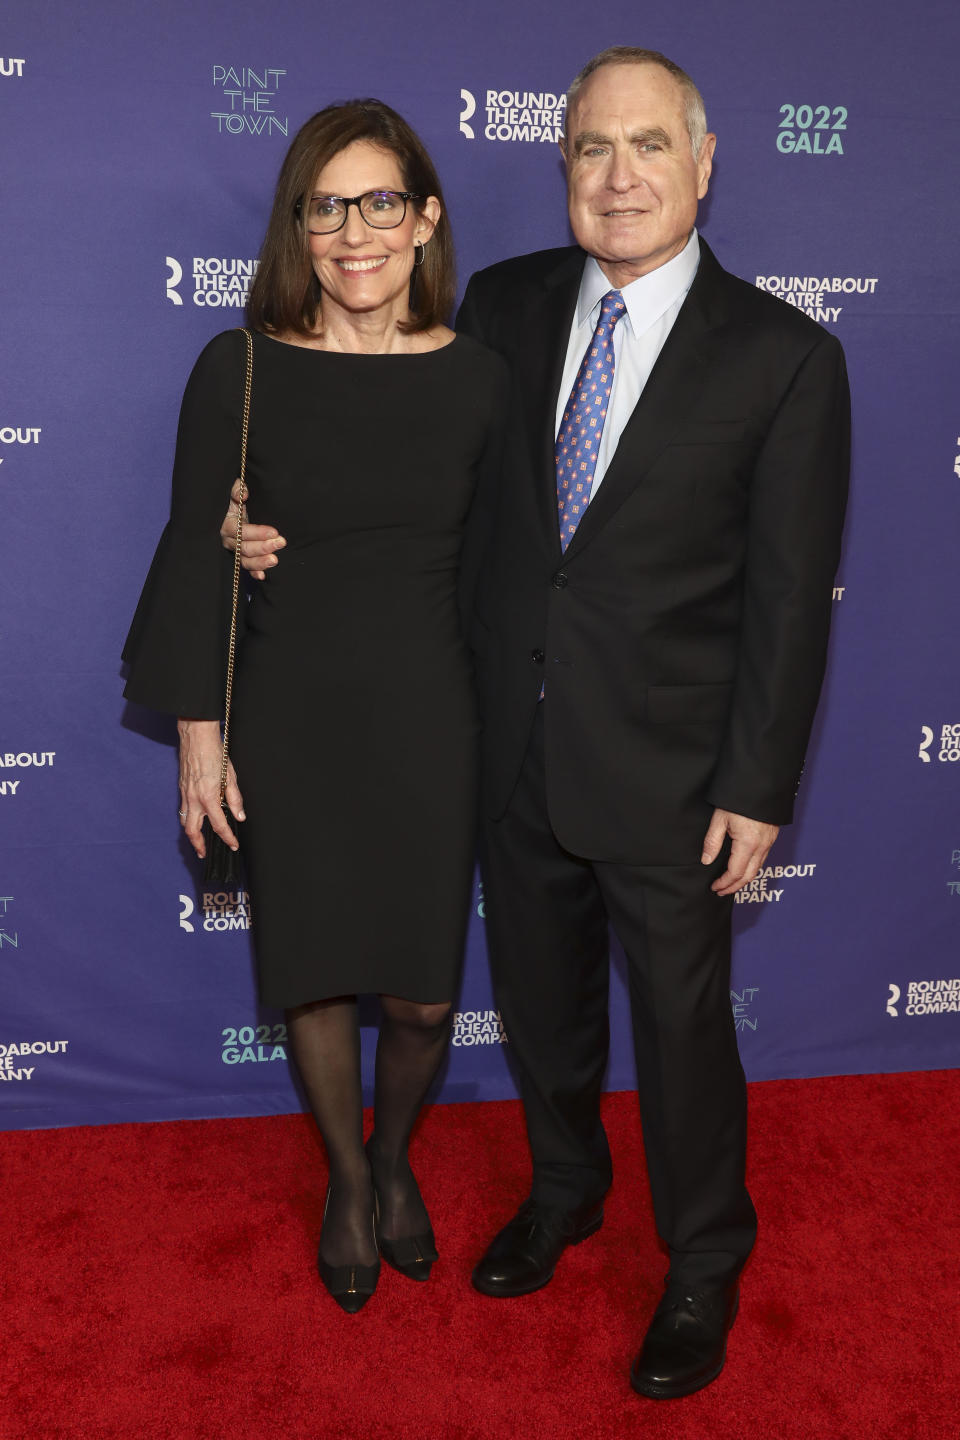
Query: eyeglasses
pixel 381 209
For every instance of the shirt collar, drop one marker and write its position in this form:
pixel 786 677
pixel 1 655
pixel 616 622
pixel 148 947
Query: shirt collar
pixel 646 298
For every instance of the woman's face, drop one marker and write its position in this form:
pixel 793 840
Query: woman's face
pixel 362 269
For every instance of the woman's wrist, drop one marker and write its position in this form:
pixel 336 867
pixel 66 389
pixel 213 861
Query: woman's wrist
pixel 188 726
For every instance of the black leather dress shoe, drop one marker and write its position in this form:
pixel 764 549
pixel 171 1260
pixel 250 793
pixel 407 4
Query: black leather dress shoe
pixel 523 1257
pixel 686 1345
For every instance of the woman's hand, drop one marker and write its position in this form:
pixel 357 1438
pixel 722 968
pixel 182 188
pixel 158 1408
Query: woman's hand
pixel 201 749
pixel 259 541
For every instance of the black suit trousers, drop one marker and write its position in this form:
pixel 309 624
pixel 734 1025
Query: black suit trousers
pixel 547 929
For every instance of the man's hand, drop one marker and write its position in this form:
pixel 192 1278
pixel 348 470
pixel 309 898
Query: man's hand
pixel 751 839
pixel 259 541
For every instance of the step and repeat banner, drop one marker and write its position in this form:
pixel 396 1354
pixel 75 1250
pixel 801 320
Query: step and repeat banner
pixel 140 145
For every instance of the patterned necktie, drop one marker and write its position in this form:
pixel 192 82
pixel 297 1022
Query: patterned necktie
pixel 578 439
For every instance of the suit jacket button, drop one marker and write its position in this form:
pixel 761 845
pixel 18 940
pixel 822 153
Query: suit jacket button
pixel 536 656
pixel 560 579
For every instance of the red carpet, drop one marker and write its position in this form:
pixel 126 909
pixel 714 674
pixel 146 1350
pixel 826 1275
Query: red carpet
pixel 158 1282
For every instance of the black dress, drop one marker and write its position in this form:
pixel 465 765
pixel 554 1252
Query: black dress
pixel 354 724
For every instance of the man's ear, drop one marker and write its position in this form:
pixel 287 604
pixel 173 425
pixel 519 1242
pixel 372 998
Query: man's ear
pixel 705 164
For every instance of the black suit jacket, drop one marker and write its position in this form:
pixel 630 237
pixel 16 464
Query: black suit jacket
pixel 682 636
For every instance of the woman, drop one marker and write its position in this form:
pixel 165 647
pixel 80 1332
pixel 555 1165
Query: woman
pixel 353 721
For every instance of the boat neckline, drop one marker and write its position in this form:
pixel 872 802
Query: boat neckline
pixel 361 354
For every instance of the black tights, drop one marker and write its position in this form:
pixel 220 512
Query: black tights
pixel 325 1040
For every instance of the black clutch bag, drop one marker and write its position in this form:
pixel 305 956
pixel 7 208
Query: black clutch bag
pixel 221 865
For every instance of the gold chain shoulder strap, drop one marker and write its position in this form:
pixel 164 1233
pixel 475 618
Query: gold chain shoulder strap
pixel 232 648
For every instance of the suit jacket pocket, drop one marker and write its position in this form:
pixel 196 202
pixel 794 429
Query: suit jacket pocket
pixel 688 704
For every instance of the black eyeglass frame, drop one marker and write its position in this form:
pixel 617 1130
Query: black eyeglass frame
pixel 347 200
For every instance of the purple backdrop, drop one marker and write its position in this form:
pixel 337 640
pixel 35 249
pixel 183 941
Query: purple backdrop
pixel 141 143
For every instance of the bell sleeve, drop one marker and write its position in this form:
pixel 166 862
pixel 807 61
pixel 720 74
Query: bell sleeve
pixel 176 648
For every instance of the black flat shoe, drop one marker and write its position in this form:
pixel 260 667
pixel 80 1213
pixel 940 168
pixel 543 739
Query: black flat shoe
pixel 524 1255
pixel 412 1255
pixel 686 1345
pixel 350 1285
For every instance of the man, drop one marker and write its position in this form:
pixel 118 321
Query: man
pixel 651 620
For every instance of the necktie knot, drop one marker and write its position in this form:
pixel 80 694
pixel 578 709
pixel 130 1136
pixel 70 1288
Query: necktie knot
pixel 612 308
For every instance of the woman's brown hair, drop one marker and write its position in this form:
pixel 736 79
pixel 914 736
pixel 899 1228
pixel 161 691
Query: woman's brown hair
pixel 286 294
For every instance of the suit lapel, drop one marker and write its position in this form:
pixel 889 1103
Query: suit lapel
pixel 667 400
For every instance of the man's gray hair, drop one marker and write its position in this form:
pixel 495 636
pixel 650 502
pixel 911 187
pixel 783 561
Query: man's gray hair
pixel 694 110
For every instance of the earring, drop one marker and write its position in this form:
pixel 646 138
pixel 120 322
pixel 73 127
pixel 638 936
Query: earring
pixel 423 249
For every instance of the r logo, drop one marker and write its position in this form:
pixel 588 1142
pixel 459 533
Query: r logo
pixel 186 910
pixel 176 275
pixel 894 997
pixel 925 743
pixel 469 107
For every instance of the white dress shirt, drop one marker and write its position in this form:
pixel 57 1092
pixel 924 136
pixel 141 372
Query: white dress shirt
pixel 653 304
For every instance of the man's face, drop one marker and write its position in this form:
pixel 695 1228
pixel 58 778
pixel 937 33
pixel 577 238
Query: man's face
pixel 632 181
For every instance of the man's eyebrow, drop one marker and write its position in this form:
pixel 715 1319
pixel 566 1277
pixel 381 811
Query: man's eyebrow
pixel 589 137
pixel 654 134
